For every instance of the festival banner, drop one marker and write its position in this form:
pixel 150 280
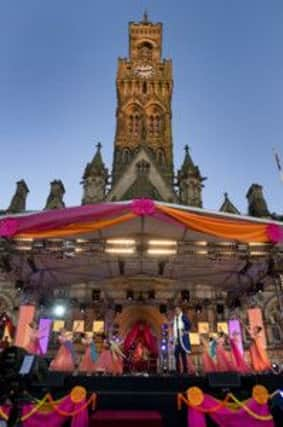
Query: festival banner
pixel 26 316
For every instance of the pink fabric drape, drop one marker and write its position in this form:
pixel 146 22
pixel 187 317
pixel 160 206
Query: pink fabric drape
pixel 56 420
pixel 48 220
pixel 225 417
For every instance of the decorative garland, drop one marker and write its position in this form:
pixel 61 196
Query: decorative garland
pixel 77 396
pixel 194 398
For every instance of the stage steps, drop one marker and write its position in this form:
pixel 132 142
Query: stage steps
pixel 110 418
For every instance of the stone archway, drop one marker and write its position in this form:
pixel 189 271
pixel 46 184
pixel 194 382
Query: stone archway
pixel 145 313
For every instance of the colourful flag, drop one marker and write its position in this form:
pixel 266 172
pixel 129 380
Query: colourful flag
pixel 278 164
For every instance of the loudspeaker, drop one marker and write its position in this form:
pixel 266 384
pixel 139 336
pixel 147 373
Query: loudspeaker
pixel 224 379
pixel 163 308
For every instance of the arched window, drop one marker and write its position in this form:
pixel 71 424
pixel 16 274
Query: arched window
pixel 160 157
pixel 126 155
pixel 145 51
pixel 134 122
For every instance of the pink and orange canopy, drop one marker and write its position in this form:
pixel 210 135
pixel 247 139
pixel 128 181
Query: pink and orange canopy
pixel 84 220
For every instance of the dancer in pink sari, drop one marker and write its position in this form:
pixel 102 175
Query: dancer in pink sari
pixel 259 358
pixel 90 356
pixel 110 360
pixel 33 346
pixel 223 357
pixel 65 359
pixel 208 354
pixel 240 364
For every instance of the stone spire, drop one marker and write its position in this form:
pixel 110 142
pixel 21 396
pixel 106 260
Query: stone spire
pixel 18 202
pixel 94 179
pixel 227 206
pixel 55 198
pixel 190 182
pixel 257 205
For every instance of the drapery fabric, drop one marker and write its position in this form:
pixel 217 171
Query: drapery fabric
pixel 66 222
pixel 143 332
pixel 227 417
pixel 227 412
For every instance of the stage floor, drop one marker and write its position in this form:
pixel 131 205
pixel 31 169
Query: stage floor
pixel 154 392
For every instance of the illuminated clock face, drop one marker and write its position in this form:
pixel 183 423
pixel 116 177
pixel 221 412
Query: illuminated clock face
pixel 144 71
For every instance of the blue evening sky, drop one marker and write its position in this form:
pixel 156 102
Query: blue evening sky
pixel 58 62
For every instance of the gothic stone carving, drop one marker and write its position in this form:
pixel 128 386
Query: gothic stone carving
pixel 55 198
pixel 18 202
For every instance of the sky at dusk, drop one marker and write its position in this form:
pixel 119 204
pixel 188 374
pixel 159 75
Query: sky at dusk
pixel 58 61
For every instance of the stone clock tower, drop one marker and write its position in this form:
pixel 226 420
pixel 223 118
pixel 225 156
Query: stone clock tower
pixel 143 159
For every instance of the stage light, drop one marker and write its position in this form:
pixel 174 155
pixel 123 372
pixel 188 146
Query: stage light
pixel 59 310
pixel 220 308
pixel 96 294
pixel 151 294
pixel 163 347
pixel 161 251
pixel 130 295
pixel 120 241
pixel 163 308
pixel 82 308
pixel 120 250
pixel 19 285
pixel 198 308
pixel 259 287
pixel 118 308
pixel 162 242
pixel 185 295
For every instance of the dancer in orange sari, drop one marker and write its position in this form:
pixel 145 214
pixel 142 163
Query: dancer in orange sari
pixel 259 358
pixel 208 354
pixel 90 356
pixel 65 359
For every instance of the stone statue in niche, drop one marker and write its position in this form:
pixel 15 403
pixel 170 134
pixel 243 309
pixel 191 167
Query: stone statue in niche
pixel 18 202
pixel 55 198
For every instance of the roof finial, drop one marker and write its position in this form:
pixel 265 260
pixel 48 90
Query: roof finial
pixel 187 149
pixel 145 16
pixel 98 146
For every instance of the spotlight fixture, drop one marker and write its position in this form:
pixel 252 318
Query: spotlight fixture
pixel 59 310
pixel 259 287
pixel 118 308
pixel 185 295
pixel 96 294
pixel 82 308
pixel 198 308
pixel 219 308
pixel 130 295
pixel 151 294
pixel 6 265
pixel 163 308
pixel 19 285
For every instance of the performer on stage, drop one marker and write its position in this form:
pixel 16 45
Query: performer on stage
pixel 224 361
pixel 259 358
pixel 65 359
pixel 34 336
pixel 181 327
pixel 208 354
pixel 90 356
pixel 110 360
pixel 240 364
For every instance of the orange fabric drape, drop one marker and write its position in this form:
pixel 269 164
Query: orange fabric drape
pixel 219 227
pixel 79 228
pixel 26 316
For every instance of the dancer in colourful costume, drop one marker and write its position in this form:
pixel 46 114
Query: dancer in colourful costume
pixel 258 355
pixel 65 359
pixel 90 356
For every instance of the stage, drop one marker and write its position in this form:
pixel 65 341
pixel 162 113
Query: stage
pixel 154 393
